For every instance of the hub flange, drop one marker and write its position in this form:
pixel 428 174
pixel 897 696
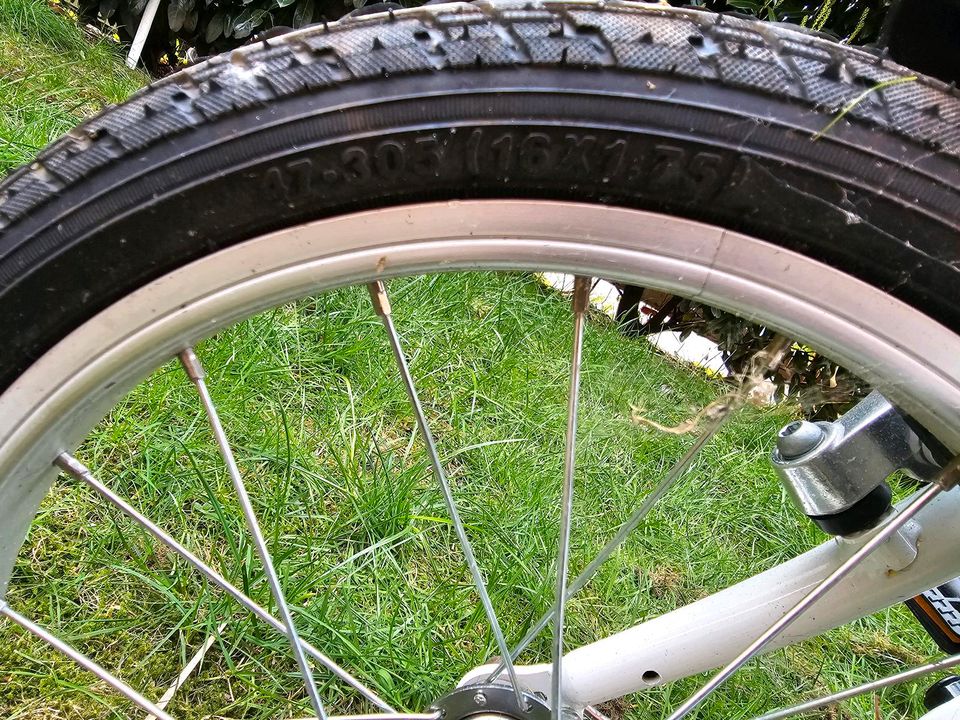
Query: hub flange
pixel 488 701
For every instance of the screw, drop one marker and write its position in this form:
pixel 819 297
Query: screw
pixel 480 699
pixel 798 438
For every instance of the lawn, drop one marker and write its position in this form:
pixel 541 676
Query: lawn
pixel 325 438
pixel 51 76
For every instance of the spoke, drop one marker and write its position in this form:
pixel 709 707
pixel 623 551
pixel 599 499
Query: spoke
pixel 381 304
pixel 810 598
pixel 617 540
pixel 581 300
pixel 191 364
pixel 765 360
pixel 901 677
pixel 83 661
pixel 79 471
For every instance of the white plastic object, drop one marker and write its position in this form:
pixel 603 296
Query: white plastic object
pixel 947 711
pixel 143 29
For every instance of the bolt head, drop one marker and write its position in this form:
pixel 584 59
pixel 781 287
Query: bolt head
pixel 798 438
pixel 480 699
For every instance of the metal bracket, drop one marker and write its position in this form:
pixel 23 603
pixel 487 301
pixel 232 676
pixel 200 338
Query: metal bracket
pixel 829 467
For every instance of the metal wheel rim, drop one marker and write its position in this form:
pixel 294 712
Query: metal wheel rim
pixel 56 402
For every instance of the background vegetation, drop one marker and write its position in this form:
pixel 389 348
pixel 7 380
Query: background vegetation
pixel 213 26
pixel 51 76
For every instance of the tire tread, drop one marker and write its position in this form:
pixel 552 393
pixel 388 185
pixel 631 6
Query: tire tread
pixel 721 49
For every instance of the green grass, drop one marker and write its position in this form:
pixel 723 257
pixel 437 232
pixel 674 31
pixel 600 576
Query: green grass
pixel 325 438
pixel 51 77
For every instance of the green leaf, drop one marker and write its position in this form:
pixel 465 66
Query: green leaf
pixel 303 15
pixel 214 28
pixel 248 21
pixel 107 8
pixel 176 14
pixel 190 23
pixel 137 6
pixel 259 16
pixel 241 25
pixel 752 6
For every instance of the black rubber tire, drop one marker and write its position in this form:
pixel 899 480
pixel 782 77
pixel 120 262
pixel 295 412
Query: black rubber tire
pixel 698 115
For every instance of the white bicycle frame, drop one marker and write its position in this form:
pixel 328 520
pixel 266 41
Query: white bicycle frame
pixel 712 631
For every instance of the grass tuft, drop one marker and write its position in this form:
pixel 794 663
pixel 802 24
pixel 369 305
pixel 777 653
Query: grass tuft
pixel 51 77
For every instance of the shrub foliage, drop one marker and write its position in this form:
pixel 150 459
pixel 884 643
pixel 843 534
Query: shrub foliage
pixel 214 26
pixel 206 26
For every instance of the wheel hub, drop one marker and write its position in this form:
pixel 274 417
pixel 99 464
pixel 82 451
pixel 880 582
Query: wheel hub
pixel 490 701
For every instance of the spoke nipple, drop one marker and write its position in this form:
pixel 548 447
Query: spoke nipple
pixel 378 294
pixel 191 364
pixel 581 294
pixel 798 438
pixel 480 699
pixel 949 477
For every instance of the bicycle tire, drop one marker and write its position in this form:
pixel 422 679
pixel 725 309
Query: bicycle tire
pixel 812 145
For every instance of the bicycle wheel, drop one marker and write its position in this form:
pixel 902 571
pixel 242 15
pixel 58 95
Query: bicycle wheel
pixel 806 185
